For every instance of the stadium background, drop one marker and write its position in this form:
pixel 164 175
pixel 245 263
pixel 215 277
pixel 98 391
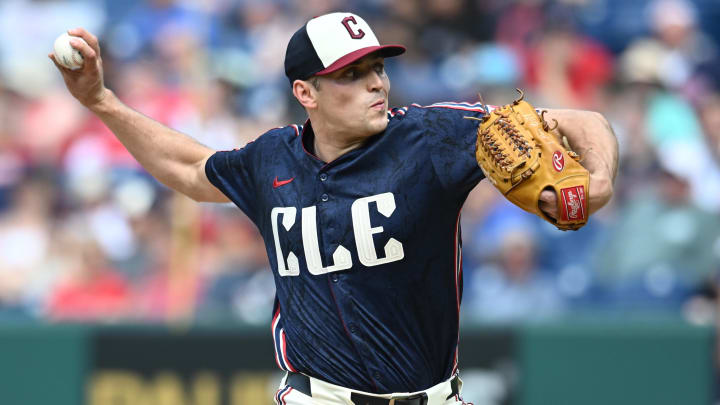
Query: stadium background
pixel 114 290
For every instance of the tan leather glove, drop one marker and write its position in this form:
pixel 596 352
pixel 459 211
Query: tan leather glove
pixel 521 157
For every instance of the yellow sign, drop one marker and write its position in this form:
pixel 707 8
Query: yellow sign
pixel 121 387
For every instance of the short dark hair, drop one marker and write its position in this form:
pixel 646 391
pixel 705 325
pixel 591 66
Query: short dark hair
pixel 315 81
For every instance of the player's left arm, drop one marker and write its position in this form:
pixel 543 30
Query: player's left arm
pixel 591 136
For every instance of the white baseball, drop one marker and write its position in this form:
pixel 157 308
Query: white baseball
pixel 65 54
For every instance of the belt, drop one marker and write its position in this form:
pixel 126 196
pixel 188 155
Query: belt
pixel 301 383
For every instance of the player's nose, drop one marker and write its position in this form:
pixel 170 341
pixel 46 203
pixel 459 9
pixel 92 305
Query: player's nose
pixel 375 82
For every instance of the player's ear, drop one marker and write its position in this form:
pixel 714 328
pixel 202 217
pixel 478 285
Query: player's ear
pixel 305 93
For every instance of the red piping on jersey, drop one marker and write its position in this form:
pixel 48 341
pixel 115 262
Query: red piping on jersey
pixel 398 111
pixel 458 273
pixel 272 329
pixel 277 400
pixel 451 107
pixel 283 340
pixel 458 106
pixel 282 398
pixel 281 353
pixel 281 392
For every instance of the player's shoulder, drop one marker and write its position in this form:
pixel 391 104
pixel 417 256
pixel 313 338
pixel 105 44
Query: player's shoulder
pixel 268 142
pixel 287 132
pixel 279 135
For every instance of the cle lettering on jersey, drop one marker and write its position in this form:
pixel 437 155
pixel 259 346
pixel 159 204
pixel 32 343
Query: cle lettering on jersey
pixel 342 259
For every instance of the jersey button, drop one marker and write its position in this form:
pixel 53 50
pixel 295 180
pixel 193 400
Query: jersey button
pixel 323 176
pixel 377 375
pixel 334 278
pixel 353 329
pixel 324 197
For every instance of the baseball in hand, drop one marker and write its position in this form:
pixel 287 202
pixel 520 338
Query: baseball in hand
pixel 65 54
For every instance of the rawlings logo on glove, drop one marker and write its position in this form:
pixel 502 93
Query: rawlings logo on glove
pixel 521 157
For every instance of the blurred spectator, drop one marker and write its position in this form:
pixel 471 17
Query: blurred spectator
pixel 637 156
pixel 709 111
pixel 514 288
pixel 12 163
pixel 94 291
pixel 242 285
pixel 33 25
pixel 660 247
pixel 701 307
pixel 25 239
pixel 172 284
pixel 675 51
pixel 568 69
pixel 676 133
pixel 145 27
pixel 674 59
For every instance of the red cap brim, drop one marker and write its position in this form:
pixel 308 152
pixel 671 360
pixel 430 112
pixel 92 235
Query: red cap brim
pixel 386 51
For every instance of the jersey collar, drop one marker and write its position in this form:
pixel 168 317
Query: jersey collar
pixel 307 138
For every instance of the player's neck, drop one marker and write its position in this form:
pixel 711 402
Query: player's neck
pixel 327 150
pixel 330 147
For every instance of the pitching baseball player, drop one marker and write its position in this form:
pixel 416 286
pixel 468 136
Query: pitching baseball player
pixel 359 208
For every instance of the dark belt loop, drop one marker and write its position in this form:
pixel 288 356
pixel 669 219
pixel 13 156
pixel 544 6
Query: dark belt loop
pixel 454 387
pixel 419 399
pixel 299 382
pixel 360 399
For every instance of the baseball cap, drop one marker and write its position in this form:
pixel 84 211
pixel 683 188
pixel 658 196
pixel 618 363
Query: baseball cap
pixel 330 42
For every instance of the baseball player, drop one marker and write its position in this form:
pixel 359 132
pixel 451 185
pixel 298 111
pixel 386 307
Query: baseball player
pixel 359 208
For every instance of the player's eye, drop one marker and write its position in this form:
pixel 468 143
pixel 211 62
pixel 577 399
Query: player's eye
pixel 351 74
pixel 379 68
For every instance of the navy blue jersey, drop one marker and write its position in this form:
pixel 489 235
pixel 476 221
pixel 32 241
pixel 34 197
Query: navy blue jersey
pixel 366 249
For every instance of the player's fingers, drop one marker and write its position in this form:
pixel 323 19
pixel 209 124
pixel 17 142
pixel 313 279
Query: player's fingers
pixel 85 50
pixel 57 65
pixel 548 196
pixel 88 37
pixel 548 203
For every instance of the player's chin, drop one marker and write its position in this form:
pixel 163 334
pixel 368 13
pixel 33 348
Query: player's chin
pixel 377 124
pixel 378 116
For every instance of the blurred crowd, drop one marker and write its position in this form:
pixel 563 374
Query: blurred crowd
pixel 87 235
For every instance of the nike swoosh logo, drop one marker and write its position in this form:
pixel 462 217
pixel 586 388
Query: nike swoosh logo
pixel 277 183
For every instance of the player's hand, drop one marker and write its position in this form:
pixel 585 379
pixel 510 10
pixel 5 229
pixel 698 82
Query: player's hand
pixel 548 203
pixel 592 137
pixel 600 192
pixel 85 84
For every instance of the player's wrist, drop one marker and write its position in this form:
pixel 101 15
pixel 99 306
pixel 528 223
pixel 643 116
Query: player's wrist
pixel 102 103
pixel 600 192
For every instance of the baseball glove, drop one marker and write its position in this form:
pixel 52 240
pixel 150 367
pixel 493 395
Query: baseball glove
pixel 521 156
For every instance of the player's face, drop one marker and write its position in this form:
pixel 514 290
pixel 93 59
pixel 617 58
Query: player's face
pixel 354 100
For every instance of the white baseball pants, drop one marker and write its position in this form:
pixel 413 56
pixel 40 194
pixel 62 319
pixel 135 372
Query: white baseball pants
pixel 324 393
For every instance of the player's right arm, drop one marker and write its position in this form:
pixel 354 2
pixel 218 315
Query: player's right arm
pixel 175 159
